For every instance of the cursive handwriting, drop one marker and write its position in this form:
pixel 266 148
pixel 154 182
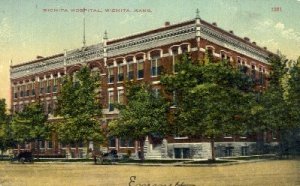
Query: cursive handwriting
pixel 132 182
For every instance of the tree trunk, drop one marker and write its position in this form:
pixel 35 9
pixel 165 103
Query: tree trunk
pixel 142 150
pixel 76 151
pixel 212 146
pixel 69 153
pixel 38 150
pixel 280 144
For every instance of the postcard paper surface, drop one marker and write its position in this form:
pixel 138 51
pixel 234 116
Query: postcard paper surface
pixel 42 41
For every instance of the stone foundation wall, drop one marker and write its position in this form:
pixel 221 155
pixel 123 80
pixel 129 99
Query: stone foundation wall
pixel 203 150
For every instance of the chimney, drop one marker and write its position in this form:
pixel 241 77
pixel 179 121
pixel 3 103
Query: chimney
pixel 254 43
pixel 167 23
pixel 39 57
pixel 265 48
pixel 230 31
pixel 246 39
pixel 214 23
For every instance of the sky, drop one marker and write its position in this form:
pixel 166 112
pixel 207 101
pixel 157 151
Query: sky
pixel 29 28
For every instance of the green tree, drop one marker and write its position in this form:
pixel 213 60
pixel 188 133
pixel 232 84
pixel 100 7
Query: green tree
pixel 293 101
pixel 5 138
pixel 80 108
pixel 212 99
pixel 29 125
pixel 144 114
pixel 280 111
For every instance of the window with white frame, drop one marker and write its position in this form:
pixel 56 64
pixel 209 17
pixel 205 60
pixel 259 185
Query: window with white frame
pixel 130 71
pixel 54 89
pixel 16 91
pixel 261 76
pixel 41 87
pixel 28 88
pixel 23 87
pixel 110 100
pixel 48 84
pixel 174 56
pixel 111 77
pixel 140 69
pixel 155 67
pixel 120 72
pixel 121 96
pixel 253 73
pixel 223 55
pixel 32 89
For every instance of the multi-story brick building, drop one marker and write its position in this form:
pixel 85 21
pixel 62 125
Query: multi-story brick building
pixel 140 57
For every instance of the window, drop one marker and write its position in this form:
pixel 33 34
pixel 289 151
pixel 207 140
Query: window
pixel 120 73
pixel 130 143
pixel 49 108
pixel 49 144
pixel 228 58
pixel 174 53
pixel 228 151
pixel 16 91
pixel 184 48
pixel 48 86
pixel 244 150
pixel 244 69
pixel 130 71
pixel 121 96
pixel 253 74
pixel 261 76
pixel 155 67
pixel 126 142
pixel 140 69
pixel 112 142
pixel 182 153
pixel 223 55
pixel 239 63
pixel 110 100
pixel 123 142
pixel 111 75
pixel 28 88
pixel 54 89
pixel 42 144
pixel 41 86
pixel 22 90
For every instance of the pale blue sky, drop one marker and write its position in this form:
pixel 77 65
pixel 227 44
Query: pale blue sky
pixel 27 31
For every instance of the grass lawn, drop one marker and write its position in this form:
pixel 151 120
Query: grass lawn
pixel 273 172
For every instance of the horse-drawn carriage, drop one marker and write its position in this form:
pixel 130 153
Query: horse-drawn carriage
pixel 23 157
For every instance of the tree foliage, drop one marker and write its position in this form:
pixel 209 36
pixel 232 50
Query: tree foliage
pixel 213 98
pixel 29 125
pixel 80 108
pixel 144 114
pixel 5 138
